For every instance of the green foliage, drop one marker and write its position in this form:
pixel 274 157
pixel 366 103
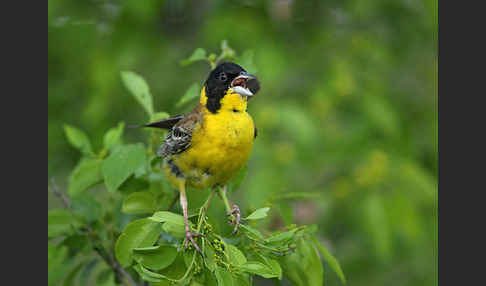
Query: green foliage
pixel 346 117
pixel 152 246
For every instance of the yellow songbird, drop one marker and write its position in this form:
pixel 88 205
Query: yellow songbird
pixel 208 146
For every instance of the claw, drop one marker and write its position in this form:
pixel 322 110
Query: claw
pixel 235 211
pixel 189 237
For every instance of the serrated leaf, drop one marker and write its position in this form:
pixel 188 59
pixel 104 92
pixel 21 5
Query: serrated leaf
pixel 113 136
pixel 60 221
pixel 247 62
pixel 198 55
pixel 235 256
pixel 138 233
pixel 330 259
pixel 156 259
pixel 258 268
pixel 223 277
pixel 86 174
pixel 123 161
pixel 87 207
pixel 258 214
pixel 139 203
pixel 139 89
pixel 78 139
pixel 191 93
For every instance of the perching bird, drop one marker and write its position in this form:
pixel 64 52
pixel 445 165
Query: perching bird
pixel 208 146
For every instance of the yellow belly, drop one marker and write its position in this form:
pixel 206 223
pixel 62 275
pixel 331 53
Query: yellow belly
pixel 220 146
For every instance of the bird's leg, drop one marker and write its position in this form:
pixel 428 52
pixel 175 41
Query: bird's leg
pixel 189 233
pixel 231 210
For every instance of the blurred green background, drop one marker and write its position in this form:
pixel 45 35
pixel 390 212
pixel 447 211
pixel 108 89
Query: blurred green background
pixel 347 109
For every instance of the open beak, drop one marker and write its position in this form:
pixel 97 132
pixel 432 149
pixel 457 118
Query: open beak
pixel 239 84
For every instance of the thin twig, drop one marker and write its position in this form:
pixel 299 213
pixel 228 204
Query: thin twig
pixel 98 247
pixel 55 190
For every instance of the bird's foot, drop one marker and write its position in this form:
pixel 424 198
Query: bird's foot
pixel 190 237
pixel 236 219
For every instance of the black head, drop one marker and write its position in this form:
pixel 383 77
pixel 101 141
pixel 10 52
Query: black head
pixel 222 78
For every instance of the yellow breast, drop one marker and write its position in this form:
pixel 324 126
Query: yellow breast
pixel 221 144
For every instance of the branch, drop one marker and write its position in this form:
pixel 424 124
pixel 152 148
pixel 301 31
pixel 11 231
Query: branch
pixel 97 247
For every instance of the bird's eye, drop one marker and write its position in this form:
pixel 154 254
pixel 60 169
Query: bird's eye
pixel 222 76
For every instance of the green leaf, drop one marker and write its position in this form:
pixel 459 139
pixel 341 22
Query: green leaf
pixel 282 237
pixel 157 258
pixel 139 233
pixel 122 162
pixel 209 257
pixel 76 242
pixel 331 260
pixel 174 229
pixel 252 232
pixel 224 277
pixel 86 174
pixel 272 264
pixel 286 212
pixel 298 195
pixel 159 116
pixel 71 278
pixel 236 182
pixel 235 256
pixel 148 275
pixel 56 263
pixel 258 214
pixel 87 207
pixel 139 89
pixel 303 267
pixel 113 137
pixel 191 93
pixel 60 221
pixel 78 139
pixel 198 55
pixel 139 203
pixel 227 51
pixel 247 62
pixel 165 216
pixel 258 268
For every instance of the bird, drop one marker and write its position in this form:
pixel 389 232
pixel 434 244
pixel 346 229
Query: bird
pixel 208 146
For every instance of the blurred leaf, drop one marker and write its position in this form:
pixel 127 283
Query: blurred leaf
pixel 252 232
pixel 331 260
pixel 191 93
pixel 156 259
pixel 139 89
pixel 122 162
pixel 235 255
pixel 198 55
pixel 60 221
pixel 138 233
pixel 286 212
pixel 56 266
pixel 299 195
pixel 375 224
pixel 224 277
pixel 236 182
pixel 246 61
pixel 78 139
pixel 303 267
pixel 258 268
pixel 258 214
pixel 86 273
pixel 282 237
pixel 113 137
pixel 159 116
pixel 70 279
pixel 87 207
pixel 76 242
pixel 105 277
pixel 226 50
pixel 139 203
pixel 86 174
